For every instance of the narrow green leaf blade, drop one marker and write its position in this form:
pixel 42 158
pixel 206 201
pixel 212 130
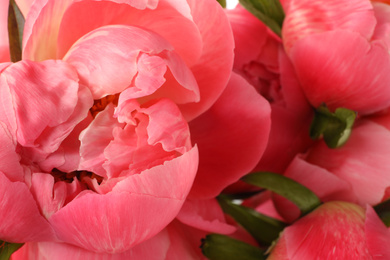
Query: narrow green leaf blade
pixel 301 196
pixel 222 3
pixel 262 228
pixel 270 12
pixel 7 249
pixel 383 211
pixel 221 247
pixel 15 31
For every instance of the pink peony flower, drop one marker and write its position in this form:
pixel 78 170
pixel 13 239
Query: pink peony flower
pixel 262 61
pixel 353 72
pixel 335 230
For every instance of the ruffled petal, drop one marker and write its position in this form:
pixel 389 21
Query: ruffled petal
pixel 223 134
pixel 117 221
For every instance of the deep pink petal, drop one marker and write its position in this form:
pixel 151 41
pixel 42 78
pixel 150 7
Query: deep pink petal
pixel 212 70
pixel 382 29
pixel 4 46
pixel 117 221
pixel 362 161
pixel 377 235
pixel 152 249
pixel 249 35
pixel 234 130
pixel 338 75
pixel 20 219
pixel 335 230
pixel 205 215
pixel 304 18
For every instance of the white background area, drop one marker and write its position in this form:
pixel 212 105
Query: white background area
pixel 230 4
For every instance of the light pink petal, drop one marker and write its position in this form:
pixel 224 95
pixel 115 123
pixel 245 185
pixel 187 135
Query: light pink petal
pixel 234 130
pixel 20 219
pixel 184 38
pixel 56 104
pixel 152 249
pixel 338 75
pixel 362 161
pixel 167 127
pixel 377 235
pixel 41 29
pixel 212 70
pixel 382 29
pixel 304 18
pixel 205 215
pixel 24 6
pixel 50 196
pixel 125 217
pixel 10 160
pixel 4 45
pixel 137 62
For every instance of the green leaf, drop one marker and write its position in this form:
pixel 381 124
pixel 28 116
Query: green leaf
pixel 222 3
pixel 301 196
pixel 6 249
pixel 383 211
pixel 262 228
pixel 221 247
pixel 270 12
pixel 335 127
pixel 15 31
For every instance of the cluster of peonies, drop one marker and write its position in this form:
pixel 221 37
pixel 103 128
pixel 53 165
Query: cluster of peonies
pixel 125 119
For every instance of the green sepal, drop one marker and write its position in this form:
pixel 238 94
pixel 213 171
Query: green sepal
pixel 335 127
pixel 301 196
pixel 222 3
pixel 7 249
pixel 15 31
pixel 221 247
pixel 263 229
pixel 270 12
pixel 383 211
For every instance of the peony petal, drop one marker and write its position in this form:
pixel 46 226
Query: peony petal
pixel 93 222
pixel 4 45
pixel 377 235
pixel 212 70
pixel 152 249
pixel 362 161
pixel 382 29
pixel 205 215
pixel 236 130
pixel 47 118
pixel 137 62
pixel 10 160
pixel 20 220
pixel 338 76
pixel 304 18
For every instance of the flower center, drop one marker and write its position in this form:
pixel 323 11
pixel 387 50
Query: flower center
pixel 69 176
pixel 100 104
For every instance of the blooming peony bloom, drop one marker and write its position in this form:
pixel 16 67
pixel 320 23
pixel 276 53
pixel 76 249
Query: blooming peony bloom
pixel 335 230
